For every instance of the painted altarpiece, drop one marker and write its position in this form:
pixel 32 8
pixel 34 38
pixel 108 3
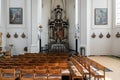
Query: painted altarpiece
pixel 58 30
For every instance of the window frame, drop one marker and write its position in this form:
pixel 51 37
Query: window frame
pixel 115 14
pixel 0 11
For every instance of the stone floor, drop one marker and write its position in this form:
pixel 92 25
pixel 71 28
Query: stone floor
pixel 111 62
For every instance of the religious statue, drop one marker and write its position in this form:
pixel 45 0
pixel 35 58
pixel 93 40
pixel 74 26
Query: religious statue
pixel 58 15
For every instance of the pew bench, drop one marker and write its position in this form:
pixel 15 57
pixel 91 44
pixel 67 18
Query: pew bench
pixel 96 70
pixel 85 66
pixel 76 70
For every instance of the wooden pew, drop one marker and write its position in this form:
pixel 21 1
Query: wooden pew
pixel 97 70
pixel 85 66
pixel 40 74
pixel 7 74
pixel 76 70
pixel 26 74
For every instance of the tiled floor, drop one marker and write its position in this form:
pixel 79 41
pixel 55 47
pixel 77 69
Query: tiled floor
pixel 112 63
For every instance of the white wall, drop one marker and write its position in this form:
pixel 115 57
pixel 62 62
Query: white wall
pixel 116 42
pixel 101 46
pixel 34 31
pixel 19 43
pixel 28 20
pixel 94 46
pixel 97 46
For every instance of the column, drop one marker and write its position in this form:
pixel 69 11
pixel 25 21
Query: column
pixel 34 29
pixel 29 22
pixel 39 20
pixel 39 12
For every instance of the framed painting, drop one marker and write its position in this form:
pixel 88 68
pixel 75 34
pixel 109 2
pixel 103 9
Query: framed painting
pixel 15 15
pixel 101 16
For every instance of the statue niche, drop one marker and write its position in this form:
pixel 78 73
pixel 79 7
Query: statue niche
pixel 58 29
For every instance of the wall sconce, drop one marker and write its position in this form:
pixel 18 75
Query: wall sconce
pixel 23 35
pixel 101 35
pixel 8 35
pixel 93 35
pixel 118 35
pixel 16 35
pixel 108 35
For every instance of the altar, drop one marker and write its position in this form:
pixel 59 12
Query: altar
pixel 58 31
pixel 58 48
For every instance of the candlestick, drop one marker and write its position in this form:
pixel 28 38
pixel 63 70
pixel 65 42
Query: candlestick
pixel 40 30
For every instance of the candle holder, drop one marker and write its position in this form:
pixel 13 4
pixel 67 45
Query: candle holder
pixel 76 38
pixel 40 30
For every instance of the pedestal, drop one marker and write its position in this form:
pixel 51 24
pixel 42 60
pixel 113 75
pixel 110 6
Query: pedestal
pixel 40 50
pixel 76 44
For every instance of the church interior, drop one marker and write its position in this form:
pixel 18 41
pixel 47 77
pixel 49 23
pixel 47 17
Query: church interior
pixel 59 39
